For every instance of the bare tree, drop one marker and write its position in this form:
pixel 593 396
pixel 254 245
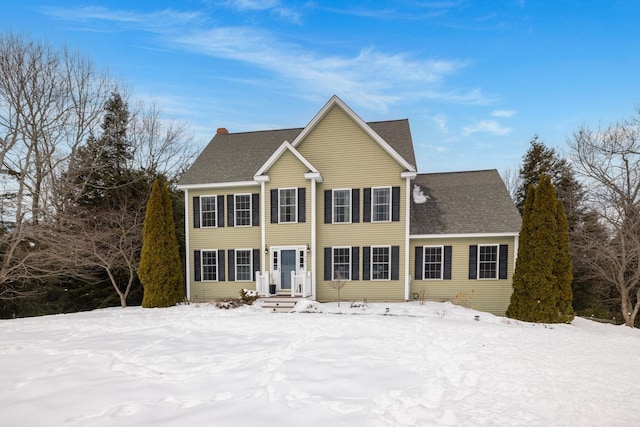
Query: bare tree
pixel 161 146
pixel 49 102
pixel 512 180
pixel 109 242
pixel 609 161
pixel 338 283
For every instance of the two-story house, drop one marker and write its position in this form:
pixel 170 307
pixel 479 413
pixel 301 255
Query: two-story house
pixel 290 211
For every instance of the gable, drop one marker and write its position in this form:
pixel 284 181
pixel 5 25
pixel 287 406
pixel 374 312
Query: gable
pixel 335 104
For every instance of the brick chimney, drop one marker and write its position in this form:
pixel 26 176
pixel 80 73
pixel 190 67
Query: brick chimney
pixel 222 131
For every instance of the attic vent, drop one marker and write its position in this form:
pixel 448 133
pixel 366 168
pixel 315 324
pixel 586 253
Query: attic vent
pixel 222 131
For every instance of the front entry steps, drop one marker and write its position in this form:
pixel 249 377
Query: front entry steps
pixel 279 304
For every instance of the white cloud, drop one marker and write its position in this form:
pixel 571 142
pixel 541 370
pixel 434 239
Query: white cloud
pixel 488 126
pixel 504 113
pixel 441 121
pixel 367 78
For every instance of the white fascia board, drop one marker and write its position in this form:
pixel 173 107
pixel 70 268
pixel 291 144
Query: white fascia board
pixel 456 235
pixel 276 155
pixel 337 101
pixel 217 185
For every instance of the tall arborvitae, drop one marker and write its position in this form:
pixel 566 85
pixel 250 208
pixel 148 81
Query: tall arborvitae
pixel 563 267
pixel 521 299
pixel 160 268
pixel 542 279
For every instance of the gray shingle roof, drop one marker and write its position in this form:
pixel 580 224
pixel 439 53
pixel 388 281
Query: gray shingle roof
pixel 463 202
pixel 237 157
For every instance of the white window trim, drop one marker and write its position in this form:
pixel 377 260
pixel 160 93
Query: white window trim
pixel 497 246
pixel 202 251
pixel 235 264
pixel 350 250
pixel 235 214
pixel 371 263
pixel 295 205
pixel 373 205
pixel 424 261
pixel 333 205
pixel 215 215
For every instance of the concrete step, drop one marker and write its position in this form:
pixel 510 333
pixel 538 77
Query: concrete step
pixel 279 304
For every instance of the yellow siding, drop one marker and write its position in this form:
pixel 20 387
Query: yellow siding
pixel 220 238
pixel 347 157
pixel 288 172
pixel 492 296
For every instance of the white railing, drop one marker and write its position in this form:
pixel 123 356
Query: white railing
pixel 301 284
pixel 262 283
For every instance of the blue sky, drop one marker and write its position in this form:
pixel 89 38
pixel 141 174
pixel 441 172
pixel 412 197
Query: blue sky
pixel 476 79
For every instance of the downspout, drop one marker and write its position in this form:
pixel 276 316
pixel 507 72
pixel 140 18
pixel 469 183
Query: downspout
pixel 407 220
pixel 187 259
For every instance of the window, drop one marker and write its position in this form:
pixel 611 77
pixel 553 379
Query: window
pixel 381 204
pixel 432 262
pixel 380 262
pixel 210 265
pixel 288 205
pixel 341 206
pixel 208 208
pixel 243 265
pixel 341 263
pixel 242 210
pixel 487 261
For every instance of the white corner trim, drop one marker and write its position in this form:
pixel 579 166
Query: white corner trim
pixel 187 257
pixel 363 125
pixel 279 152
pixel 217 185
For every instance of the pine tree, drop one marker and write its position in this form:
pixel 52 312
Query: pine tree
pixel 563 267
pixel 160 269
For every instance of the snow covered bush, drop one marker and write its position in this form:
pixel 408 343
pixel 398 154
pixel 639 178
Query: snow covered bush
pixel 249 296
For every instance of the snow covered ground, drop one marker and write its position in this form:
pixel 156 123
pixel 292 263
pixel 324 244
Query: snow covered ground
pixel 417 365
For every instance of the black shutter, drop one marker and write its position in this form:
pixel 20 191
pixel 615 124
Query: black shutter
pixel 473 262
pixel 327 264
pixel 255 209
pixel 197 271
pixel 302 205
pixel 328 205
pixel 366 205
pixel 196 212
pixel 355 265
pixel 256 263
pixel 355 205
pixel 395 203
pixel 366 263
pixel 395 262
pixel 274 206
pixel 232 265
pixel 419 267
pixel 446 274
pixel 221 265
pixel 503 261
pixel 220 208
pixel 230 211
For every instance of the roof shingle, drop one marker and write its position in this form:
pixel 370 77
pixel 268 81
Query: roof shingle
pixel 462 203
